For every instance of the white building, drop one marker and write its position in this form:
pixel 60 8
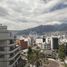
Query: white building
pixel 40 43
pixel 48 40
pixel 9 52
pixel 39 40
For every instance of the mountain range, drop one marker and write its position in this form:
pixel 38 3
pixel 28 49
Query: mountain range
pixel 44 28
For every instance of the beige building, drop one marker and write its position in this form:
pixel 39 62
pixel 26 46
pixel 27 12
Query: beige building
pixel 9 52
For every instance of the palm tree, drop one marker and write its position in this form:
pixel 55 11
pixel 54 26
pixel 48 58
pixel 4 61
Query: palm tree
pixel 38 58
pixel 35 57
pixel 29 56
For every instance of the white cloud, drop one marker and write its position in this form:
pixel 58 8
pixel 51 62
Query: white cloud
pixel 17 26
pixel 23 14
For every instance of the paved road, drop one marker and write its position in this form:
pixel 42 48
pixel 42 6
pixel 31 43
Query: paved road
pixel 53 64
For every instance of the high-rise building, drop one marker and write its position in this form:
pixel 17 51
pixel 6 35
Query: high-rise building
pixel 9 52
pixel 54 42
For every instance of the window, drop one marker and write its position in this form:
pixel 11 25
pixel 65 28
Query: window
pixel 1 48
pixel 11 41
pixel 3 42
pixel 1 56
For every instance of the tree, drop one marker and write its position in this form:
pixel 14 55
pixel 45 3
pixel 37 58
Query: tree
pixel 39 58
pixel 62 52
pixel 30 56
pixel 35 57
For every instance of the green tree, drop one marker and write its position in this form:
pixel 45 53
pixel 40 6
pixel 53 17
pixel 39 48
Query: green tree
pixel 62 52
pixel 39 58
pixel 30 56
pixel 35 57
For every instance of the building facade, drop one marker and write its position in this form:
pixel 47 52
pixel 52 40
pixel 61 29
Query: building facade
pixel 9 52
pixel 54 42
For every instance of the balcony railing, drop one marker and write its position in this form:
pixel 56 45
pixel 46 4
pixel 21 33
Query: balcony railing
pixel 8 45
pixel 9 59
pixel 8 52
pixel 15 62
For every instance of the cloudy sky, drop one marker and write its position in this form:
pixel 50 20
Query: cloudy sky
pixel 23 14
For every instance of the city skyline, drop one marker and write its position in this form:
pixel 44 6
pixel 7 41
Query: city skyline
pixel 24 14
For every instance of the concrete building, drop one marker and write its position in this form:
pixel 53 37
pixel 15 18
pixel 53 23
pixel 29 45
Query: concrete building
pixel 54 42
pixel 24 42
pixel 9 52
pixel 27 39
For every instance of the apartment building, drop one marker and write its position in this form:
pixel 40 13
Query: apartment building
pixel 9 52
pixel 54 42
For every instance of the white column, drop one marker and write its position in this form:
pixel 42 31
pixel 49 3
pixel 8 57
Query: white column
pixel 51 43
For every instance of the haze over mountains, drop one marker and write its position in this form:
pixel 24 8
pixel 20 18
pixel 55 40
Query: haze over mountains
pixel 45 28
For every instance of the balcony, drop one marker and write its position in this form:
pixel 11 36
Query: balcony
pixel 9 59
pixel 11 65
pixel 9 45
pixel 17 54
pixel 8 52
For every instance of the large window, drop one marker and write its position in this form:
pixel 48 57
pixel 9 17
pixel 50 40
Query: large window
pixel 1 48
pixel 3 42
pixel 11 41
pixel 1 56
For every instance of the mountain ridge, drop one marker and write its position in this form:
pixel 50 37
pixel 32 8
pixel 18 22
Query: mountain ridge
pixel 44 28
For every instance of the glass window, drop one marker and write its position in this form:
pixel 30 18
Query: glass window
pixel 1 48
pixel 11 41
pixel 1 56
